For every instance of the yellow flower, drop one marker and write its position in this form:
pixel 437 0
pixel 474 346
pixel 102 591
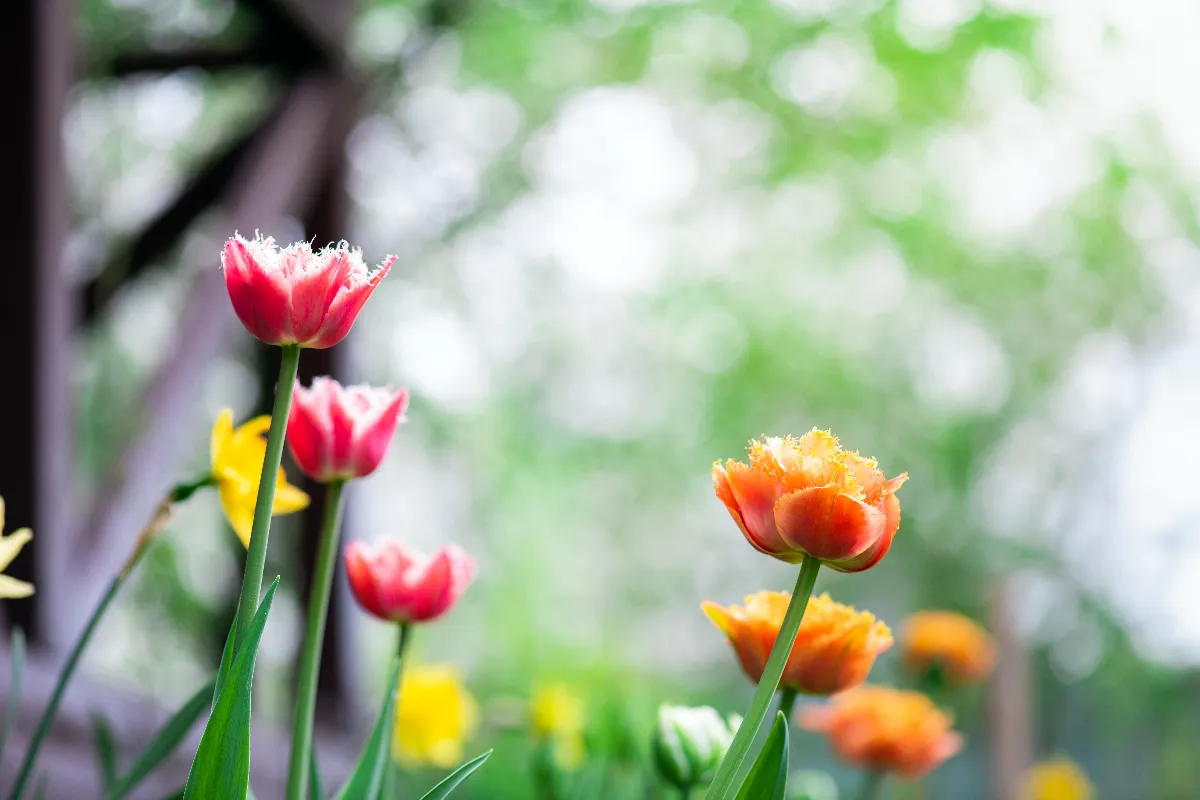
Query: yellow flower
pixel 435 715
pixel 10 546
pixel 1057 779
pixel 237 461
pixel 556 715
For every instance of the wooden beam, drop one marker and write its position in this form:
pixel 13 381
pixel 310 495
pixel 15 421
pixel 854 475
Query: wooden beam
pixel 1010 727
pixel 278 179
pixel 35 307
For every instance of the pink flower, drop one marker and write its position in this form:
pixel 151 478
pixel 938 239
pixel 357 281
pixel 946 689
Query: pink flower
pixel 399 585
pixel 340 432
pixel 295 296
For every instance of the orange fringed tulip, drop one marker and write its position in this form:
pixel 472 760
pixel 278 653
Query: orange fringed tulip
pixel 834 650
pixel 957 645
pixel 881 729
pixel 808 496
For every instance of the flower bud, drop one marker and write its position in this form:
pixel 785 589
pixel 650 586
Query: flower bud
pixel 689 743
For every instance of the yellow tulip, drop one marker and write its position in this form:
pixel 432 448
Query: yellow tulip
pixel 10 546
pixel 556 715
pixel 1057 779
pixel 237 461
pixel 435 715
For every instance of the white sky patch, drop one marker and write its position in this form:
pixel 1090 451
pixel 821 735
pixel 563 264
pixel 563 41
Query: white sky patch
pixel 835 75
pixel 957 366
pixel 931 24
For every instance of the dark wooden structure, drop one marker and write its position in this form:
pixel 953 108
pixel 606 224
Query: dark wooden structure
pixel 290 165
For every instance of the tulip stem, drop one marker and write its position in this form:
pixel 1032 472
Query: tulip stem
pixel 162 515
pixel 872 788
pixel 314 637
pixel 391 774
pixel 256 553
pixel 787 702
pixel 724 782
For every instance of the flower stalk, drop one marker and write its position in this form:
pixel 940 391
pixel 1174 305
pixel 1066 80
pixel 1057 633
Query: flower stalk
pixel 723 783
pixel 391 773
pixel 872 787
pixel 310 657
pixel 787 702
pixel 256 554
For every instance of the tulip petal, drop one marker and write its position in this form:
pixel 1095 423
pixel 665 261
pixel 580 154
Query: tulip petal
pixel 346 306
pixel 306 433
pixel 827 524
pixel 363 581
pixel 13 589
pixel 10 546
pixel 754 496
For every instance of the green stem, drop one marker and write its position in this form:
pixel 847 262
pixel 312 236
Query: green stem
pixel 743 740
pixel 686 792
pixel 872 788
pixel 391 774
pixel 145 537
pixel 314 637
pixel 787 702
pixel 256 553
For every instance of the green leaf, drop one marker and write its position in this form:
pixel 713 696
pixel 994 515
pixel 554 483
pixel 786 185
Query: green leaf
pixel 315 788
pixel 164 742
pixel 226 660
pixel 767 779
pixel 176 795
pixel 106 752
pixel 366 782
pixel 17 648
pixel 222 764
pixel 451 781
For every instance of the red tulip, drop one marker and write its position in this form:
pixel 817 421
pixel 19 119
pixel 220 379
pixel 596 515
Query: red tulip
pixel 340 432
pixel 809 497
pixel 399 585
pixel 295 296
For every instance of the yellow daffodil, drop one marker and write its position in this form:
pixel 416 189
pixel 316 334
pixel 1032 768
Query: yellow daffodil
pixel 1057 779
pixel 435 715
pixel 556 716
pixel 237 461
pixel 10 546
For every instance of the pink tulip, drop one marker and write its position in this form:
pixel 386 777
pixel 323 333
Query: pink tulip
pixel 399 585
pixel 340 432
pixel 295 296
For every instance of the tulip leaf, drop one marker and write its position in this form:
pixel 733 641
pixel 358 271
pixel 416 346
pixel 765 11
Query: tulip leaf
pixel 16 648
pixel 767 779
pixel 226 660
pixel 106 752
pixel 366 782
pixel 222 764
pixel 316 790
pixel 164 742
pixel 451 781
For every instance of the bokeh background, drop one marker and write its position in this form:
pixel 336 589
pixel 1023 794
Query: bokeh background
pixel 962 234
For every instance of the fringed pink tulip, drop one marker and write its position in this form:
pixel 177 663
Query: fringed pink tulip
pixel 295 296
pixel 340 432
pixel 399 585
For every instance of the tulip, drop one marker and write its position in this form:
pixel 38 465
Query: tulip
pixel 809 497
pixel 293 296
pixel 237 463
pixel 834 650
pixel 435 715
pixel 954 646
pixel 556 716
pixel 689 743
pixel 10 548
pixel 885 730
pixel 398 585
pixel 1057 779
pixel 340 432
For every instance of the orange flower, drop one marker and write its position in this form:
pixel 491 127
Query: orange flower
pixel 955 644
pixel 808 496
pixel 834 650
pixel 879 728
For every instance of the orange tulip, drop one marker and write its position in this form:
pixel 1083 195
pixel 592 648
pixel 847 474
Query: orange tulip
pixel 809 497
pixel 881 729
pixel 834 649
pixel 944 640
